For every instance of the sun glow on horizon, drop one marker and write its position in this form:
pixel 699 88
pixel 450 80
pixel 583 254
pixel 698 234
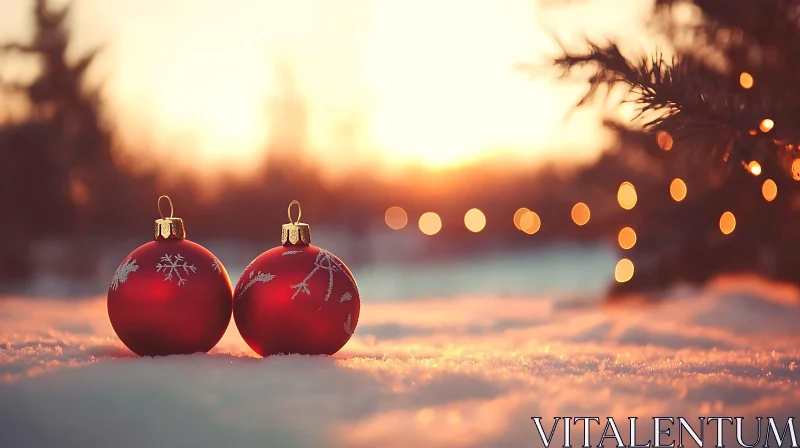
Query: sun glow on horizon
pixel 210 85
pixel 444 98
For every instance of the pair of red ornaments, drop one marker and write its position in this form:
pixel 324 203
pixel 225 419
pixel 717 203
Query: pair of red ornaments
pixel 173 296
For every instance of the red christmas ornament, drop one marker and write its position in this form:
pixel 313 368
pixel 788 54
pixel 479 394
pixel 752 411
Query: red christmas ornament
pixel 170 296
pixel 296 298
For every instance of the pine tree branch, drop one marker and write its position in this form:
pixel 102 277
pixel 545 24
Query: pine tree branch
pixel 707 110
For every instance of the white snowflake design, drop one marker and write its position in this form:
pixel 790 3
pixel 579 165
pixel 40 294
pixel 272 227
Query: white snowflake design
pixel 215 265
pixel 171 268
pixel 347 325
pixel 260 278
pixel 290 252
pixel 327 262
pixel 239 284
pixel 346 297
pixel 121 276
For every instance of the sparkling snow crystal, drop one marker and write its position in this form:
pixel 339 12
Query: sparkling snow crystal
pixel 172 268
pixel 215 266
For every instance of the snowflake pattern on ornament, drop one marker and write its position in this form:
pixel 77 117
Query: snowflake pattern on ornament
pixel 260 278
pixel 290 252
pixel 215 265
pixel 326 262
pixel 121 275
pixel 346 297
pixel 172 268
pixel 239 284
pixel 347 325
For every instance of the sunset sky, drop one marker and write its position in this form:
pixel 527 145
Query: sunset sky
pixel 209 84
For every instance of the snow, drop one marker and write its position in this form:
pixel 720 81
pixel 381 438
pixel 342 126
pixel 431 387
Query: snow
pixel 459 370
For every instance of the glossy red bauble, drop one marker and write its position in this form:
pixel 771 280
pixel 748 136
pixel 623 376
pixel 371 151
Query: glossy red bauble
pixel 296 300
pixel 168 297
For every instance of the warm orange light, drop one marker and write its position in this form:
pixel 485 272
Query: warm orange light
pixel 426 416
pixel 79 191
pixel 754 168
pixel 580 213
pixel 396 218
pixel 746 80
pixel 626 196
pixel 518 217
pixel 677 189
pixel 626 238
pixel 664 140
pixel 796 169
pixel 766 125
pixel 769 189
pixel 475 220
pixel 624 270
pixel 430 223
pixel 530 223
pixel 727 222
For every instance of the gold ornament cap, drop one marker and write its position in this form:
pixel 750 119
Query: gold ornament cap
pixel 295 233
pixel 170 228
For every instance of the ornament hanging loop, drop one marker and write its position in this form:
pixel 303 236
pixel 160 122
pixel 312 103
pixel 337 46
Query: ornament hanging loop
pixel 168 228
pixel 299 212
pixel 171 207
pixel 295 233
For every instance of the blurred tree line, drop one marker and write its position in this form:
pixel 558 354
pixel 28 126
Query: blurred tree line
pixel 62 177
pixel 57 166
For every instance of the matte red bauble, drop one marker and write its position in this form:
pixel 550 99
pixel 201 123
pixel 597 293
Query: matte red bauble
pixel 170 296
pixel 296 298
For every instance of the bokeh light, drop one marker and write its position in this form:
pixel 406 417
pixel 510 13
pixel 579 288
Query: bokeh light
pixel 626 238
pixel 396 218
pixel 626 196
pixel 518 217
pixel 580 213
pixel 475 220
pixel 766 125
pixel 769 189
pixel 754 168
pixel 796 169
pixel 78 191
pixel 746 80
pixel 430 223
pixel 530 222
pixel 727 222
pixel 664 140
pixel 624 270
pixel 677 189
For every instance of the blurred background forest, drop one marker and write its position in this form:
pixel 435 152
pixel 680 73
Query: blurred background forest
pixel 76 197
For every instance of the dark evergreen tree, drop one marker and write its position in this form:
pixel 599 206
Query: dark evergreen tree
pixel 56 163
pixel 723 115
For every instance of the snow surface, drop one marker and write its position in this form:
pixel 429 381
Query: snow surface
pixel 455 371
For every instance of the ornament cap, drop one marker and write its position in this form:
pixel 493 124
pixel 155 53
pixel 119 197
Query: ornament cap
pixel 295 233
pixel 169 228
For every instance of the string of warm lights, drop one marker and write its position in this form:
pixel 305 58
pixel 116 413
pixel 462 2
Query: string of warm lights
pixel 746 81
pixel 529 221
